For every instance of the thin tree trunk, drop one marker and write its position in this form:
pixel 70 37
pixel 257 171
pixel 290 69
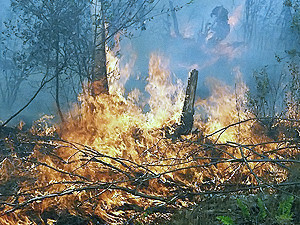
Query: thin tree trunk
pixel 57 80
pixel 175 21
pixel 187 116
pixel 99 74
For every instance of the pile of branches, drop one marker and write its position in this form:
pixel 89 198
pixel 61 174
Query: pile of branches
pixel 105 189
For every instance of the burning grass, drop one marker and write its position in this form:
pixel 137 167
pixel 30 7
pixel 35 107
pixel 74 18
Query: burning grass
pixel 112 163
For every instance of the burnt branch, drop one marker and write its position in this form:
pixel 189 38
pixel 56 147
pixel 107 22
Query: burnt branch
pixel 154 183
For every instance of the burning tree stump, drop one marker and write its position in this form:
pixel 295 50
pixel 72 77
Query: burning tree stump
pixel 100 86
pixel 131 173
pixel 187 117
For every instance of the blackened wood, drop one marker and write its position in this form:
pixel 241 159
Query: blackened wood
pixel 187 117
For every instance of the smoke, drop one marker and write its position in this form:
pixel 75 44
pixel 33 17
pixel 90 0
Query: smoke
pixel 203 43
pixel 214 37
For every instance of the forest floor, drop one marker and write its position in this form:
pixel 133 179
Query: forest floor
pixel 235 204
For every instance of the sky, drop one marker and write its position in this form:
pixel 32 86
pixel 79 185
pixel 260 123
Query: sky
pixel 4 5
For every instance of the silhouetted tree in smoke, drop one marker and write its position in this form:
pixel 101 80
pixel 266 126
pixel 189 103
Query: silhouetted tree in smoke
pixel 15 67
pixel 109 18
pixel 265 25
pixel 52 33
pixel 66 40
pixel 220 28
pixel 274 95
pixel 174 17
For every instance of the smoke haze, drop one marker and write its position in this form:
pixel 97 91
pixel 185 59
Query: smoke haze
pixel 218 38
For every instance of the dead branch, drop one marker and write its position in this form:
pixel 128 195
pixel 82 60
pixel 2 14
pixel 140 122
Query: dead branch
pixel 135 180
pixel 43 83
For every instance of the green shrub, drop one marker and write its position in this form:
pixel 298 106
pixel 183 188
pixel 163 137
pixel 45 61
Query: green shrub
pixel 284 213
pixel 244 208
pixel 226 220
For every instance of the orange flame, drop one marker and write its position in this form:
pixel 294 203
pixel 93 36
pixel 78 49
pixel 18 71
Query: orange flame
pixel 112 145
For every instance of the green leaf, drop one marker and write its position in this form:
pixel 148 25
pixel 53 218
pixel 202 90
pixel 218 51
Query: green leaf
pixel 244 208
pixel 226 220
pixel 284 213
pixel 262 210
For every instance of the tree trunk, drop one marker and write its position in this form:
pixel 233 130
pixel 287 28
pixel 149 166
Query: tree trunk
pixel 57 71
pixel 175 21
pixel 99 73
pixel 187 117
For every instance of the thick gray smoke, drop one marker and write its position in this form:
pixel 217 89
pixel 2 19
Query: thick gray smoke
pixel 215 37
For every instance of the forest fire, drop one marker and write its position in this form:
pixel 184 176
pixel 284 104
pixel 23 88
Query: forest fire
pixel 114 163
pixel 149 112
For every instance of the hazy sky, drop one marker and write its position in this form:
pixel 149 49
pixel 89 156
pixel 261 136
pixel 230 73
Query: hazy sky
pixel 3 7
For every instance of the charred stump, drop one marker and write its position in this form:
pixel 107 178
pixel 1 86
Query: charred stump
pixel 187 117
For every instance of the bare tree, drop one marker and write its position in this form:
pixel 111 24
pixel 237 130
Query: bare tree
pixel 108 18
pixel 51 32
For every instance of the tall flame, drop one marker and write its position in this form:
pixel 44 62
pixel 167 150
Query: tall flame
pixel 115 154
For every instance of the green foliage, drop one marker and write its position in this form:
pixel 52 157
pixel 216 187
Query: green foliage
pixel 244 208
pixel 226 220
pixel 265 210
pixel 262 209
pixel 284 212
pixel 260 214
pixel 265 98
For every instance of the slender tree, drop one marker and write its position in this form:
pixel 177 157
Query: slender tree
pixel 50 39
pixel 15 64
pixel 108 18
